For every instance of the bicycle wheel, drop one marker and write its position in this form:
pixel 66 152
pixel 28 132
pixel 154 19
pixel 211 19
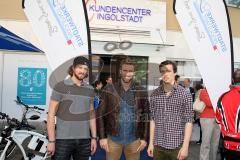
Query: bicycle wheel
pixel 13 152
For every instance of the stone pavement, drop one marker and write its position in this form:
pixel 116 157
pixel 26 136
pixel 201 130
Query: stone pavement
pixel 194 148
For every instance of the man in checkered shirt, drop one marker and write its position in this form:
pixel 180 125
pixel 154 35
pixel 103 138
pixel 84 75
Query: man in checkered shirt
pixel 171 117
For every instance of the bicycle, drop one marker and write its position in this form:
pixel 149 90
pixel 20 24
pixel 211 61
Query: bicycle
pixel 18 137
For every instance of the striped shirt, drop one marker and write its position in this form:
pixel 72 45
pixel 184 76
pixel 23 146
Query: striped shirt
pixel 170 114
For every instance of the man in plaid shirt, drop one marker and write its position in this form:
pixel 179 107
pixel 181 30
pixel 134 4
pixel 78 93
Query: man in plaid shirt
pixel 171 117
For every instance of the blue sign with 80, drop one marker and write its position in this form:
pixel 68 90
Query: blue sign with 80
pixel 31 86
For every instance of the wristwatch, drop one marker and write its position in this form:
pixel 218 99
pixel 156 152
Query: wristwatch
pixel 51 141
pixel 94 138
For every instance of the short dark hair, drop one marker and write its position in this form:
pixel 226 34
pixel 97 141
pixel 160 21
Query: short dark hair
pixel 107 78
pixel 236 76
pixel 177 77
pixel 70 70
pixel 127 61
pixel 97 82
pixel 188 79
pixel 167 62
pixel 198 87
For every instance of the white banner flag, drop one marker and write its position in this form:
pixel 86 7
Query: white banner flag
pixel 206 27
pixel 61 27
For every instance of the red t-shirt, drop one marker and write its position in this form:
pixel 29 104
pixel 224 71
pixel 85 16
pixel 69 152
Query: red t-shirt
pixel 208 112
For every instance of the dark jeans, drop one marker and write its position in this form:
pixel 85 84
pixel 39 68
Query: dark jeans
pixel 161 153
pixel 231 155
pixel 221 147
pixel 78 149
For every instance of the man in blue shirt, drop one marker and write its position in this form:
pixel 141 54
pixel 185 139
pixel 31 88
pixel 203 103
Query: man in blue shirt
pixel 123 116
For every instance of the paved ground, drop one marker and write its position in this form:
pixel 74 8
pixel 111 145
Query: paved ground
pixel 194 148
pixel 194 151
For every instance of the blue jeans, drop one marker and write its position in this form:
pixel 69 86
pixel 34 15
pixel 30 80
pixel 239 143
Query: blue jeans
pixel 78 149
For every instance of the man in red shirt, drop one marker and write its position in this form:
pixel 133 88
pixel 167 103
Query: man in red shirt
pixel 228 117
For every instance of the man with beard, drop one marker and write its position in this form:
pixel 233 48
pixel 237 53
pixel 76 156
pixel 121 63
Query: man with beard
pixel 123 116
pixel 171 115
pixel 72 104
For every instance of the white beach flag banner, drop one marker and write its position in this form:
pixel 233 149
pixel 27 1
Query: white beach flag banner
pixel 206 27
pixel 61 27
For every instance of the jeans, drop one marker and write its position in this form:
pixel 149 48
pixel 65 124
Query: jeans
pixel 78 149
pixel 161 153
pixel 130 150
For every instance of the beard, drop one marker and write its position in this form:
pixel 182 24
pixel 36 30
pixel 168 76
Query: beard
pixel 127 80
pixel 79 77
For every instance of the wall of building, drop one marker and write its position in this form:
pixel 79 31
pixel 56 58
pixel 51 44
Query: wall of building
pixel 12 9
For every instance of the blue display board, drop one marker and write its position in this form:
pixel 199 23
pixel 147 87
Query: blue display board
pixel 31 87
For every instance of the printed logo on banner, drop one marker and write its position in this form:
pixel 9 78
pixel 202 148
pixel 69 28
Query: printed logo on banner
pixel 204 11
pixel 66 23
pixel 116 13
pixel 31 86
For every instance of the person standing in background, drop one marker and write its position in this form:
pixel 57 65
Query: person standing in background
pixel 109 80
pixel 198 87
pixel 98 85
pixel 186 85
pixel 98 90
pixel 210 129
pixel 177 79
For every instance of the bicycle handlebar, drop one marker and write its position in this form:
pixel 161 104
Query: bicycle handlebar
pixel 3 115
pixel 41 109
pixel 30 126
pixel 27 106
pixel 36 107
pixel 13 122
pixel 10 121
